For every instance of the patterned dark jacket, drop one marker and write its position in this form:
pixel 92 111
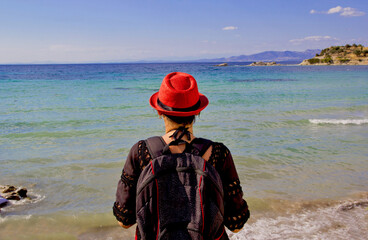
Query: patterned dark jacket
pixel 236 208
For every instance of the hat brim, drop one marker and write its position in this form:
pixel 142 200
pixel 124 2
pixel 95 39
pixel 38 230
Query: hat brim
pixel 203 104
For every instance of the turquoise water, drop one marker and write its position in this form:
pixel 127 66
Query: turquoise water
pixel 298 135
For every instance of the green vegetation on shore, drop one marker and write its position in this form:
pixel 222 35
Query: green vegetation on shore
pixel 340 55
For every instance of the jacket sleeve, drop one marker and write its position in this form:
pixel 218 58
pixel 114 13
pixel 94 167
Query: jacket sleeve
pixel 236 208
pixel 124 206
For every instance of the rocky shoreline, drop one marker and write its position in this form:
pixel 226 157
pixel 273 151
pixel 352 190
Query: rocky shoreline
pixel 335 55
pixel 340 55
pixel 264 64
pixel 351 63
pixel 10 192
pixel 260 63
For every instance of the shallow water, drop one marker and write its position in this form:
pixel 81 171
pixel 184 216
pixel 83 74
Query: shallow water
pixel 298 135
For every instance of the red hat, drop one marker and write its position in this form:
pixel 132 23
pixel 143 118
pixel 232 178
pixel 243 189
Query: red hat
pixel 179 96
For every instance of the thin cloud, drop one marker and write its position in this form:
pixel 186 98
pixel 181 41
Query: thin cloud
pixel 351 12
pixel 335 10
pixel 229 28
pixel 312 39
pixel 342 11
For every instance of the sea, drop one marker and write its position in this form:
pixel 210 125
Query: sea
pixel 298 136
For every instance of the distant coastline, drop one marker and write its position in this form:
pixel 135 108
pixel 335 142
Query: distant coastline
pixel 267 56
pixel 334 55
pixel 340 55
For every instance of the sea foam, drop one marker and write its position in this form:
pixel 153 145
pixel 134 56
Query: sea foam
pixel 346 220
pixel 339 121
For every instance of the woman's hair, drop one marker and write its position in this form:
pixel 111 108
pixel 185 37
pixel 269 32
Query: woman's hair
pixel 182 120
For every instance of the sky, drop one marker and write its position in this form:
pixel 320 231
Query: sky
pixel 91 31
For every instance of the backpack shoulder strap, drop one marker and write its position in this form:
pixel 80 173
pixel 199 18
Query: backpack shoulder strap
pixel 155 145
pixel 200 146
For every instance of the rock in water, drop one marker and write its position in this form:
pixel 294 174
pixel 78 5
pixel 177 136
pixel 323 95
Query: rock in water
pixel 265 64
pixel 22 192
pixel 13 193
pixel 221 65
pixel 12 196
pixel 8 189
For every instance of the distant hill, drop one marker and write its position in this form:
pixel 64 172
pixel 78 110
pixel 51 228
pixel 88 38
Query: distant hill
pixel 340 55
pixel 279 56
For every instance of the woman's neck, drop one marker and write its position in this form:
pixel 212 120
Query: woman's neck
pixel 170 136
pixel 171 126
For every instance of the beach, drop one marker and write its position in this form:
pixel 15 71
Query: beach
pixel 298 136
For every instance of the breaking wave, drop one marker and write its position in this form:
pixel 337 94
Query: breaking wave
pixel 339 121
pixel 347 220
pixel 13 210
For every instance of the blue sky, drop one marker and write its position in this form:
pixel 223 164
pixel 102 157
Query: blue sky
pixel 78 31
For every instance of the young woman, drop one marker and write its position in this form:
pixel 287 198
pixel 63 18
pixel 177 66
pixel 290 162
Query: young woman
pixel 178 102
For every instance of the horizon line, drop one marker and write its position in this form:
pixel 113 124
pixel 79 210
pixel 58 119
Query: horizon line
pixel 202 60
pixel 141 62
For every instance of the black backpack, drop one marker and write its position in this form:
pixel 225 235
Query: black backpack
pixel 179 196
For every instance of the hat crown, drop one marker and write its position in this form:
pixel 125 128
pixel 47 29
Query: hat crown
pixel 179 90
pixel 180 82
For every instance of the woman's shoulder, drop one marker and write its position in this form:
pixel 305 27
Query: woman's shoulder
pixel 218 153
pixel 139 154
